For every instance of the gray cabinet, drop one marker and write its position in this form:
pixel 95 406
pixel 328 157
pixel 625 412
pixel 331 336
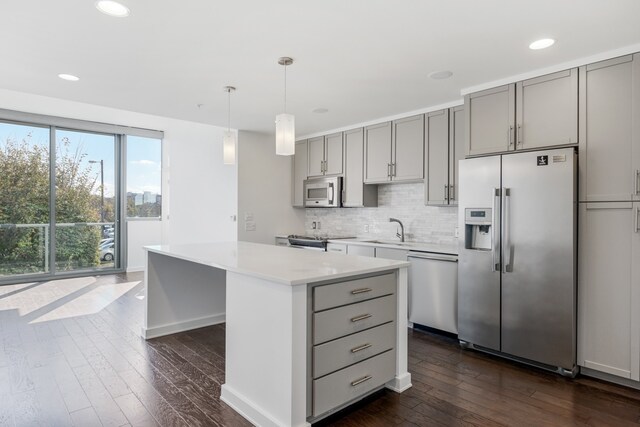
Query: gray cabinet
pixel 609 283
pixel 377 153
pixel 361 250
pixel 437 158
pixel 394 151
pixel 534 113
pixel 444 147
pixel 610 130
pixel 407 145
pixel 337 248
pixel 389 253
pixel 490 120
pixel 547 110
pixel 355 193
pixel 325 155
pixel 300 168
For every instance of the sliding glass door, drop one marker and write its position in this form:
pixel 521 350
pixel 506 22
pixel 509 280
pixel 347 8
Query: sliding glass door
pixel 59 202
pixel 86 232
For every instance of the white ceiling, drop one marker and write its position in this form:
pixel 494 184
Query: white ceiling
pixel 361 59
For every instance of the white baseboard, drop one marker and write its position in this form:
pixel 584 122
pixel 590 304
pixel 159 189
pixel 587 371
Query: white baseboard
pixel 400 384
pixel 172 328
pixel 251 412
pixel 135 269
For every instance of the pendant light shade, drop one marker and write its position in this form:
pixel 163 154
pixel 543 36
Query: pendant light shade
pixel 285 134
pixel 285 123
pixel 229 137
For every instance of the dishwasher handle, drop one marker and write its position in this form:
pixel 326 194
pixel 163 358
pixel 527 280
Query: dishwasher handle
pixel 436 257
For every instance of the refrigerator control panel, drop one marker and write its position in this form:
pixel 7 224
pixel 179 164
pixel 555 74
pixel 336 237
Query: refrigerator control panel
pixel 478 229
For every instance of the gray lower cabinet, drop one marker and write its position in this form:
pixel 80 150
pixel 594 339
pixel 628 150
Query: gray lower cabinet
pixel 389 253
pixel 609 284
pixel 300 168
pixel 282 241
pixel 531 114
pixel 610 130
pixel 352 342
pixel 337 248
pixel 361 250
pixel 355 192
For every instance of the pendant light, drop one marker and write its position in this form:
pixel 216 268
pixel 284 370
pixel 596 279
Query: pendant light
pixel 285 123
pixel 229 139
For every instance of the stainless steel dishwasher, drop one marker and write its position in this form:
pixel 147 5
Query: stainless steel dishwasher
pixel 433 290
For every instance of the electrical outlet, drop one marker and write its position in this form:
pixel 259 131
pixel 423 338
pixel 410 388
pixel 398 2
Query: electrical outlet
pixel 318 225
pixel 313 225
pixel 366 228
pixel 456 233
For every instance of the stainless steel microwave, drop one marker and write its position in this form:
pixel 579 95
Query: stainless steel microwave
pixel 322 192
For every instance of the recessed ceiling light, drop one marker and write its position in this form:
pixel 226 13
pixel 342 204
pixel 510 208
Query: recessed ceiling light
pixel 541 44
pixel 320 110
pixel 112 8
pixel 69 77
pixel 440 75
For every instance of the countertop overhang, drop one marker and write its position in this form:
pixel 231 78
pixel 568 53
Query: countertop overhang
pixel 275 263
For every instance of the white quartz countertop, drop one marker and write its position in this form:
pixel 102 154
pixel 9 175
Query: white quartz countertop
pixel 441 248
pixel 280 264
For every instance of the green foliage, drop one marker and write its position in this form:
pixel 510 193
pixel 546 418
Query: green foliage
pixel 24 199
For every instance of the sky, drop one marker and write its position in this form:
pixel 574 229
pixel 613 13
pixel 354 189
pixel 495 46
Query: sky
pixel 143 155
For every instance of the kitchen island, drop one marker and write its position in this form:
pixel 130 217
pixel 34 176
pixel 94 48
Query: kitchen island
pixel 307 333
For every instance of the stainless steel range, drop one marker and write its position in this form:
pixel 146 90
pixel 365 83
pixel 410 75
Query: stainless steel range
pixel 311 242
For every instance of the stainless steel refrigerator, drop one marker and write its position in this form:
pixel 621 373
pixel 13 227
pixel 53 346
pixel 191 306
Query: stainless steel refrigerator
pixel 517 261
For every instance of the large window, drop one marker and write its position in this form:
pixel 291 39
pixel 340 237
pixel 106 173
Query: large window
pixel 62 196
pixel 144 177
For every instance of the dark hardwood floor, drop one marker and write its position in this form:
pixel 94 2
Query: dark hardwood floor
pixel 71 354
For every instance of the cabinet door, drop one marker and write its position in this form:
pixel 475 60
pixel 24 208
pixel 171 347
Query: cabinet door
pixel 333 154
pixel 388 253
pixel 609 322
pixel 377 153
pixel 456 149
pixel 610 130
pixel 437 158
pixel 369 251
pixel 490 120
pixel 299 172
pixel 316 156
pixel 547 110
pixel 408 149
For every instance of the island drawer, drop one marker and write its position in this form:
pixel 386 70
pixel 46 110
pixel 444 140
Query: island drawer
pixel 349 319
pixel 334 355
pixel 343 293
pixel 350 383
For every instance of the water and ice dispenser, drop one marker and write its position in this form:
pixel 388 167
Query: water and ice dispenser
pixel 477 229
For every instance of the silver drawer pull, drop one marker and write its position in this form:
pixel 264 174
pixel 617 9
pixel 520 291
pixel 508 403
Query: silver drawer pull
pixel 360 291
pixel 360 381
pixel 359 318
pixel 362 347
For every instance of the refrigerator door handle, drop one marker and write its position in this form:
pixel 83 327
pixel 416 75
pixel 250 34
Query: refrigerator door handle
pixel 506 238
pixel 495 236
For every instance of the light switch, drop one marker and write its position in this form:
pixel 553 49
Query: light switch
pixel 249 226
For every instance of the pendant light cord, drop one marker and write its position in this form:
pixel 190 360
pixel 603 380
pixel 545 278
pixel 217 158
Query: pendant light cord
pixel 229 110
pixel 285 88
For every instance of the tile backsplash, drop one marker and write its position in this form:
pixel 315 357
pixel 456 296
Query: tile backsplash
pixel 405 202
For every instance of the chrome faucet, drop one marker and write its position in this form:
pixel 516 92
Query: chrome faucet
pixel 401 234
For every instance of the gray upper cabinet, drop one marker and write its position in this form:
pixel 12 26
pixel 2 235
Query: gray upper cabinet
pixel 444 148
pixel 610 130
pixel 355 193
pixel 547 110
pixel 316 156
pixel 300 168
pixel 456 149
pixel 377 153
pixel 437 158
pixel 325 155
pixel 407 162
pixel 490 120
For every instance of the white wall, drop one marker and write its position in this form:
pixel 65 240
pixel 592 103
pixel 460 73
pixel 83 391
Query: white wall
pixel 199 192
pixel 264 190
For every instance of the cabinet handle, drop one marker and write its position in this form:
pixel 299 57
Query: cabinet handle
pixel 510 136
pixel 360 348
pixel 344 194
pixel 519 138
pixel 637 220
pixel 389 170
pixel 361 380
pixel 446 192
pixel 393 170
pixel 452 194
pixel 359 318
pixel 638 182
pixel 360 291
